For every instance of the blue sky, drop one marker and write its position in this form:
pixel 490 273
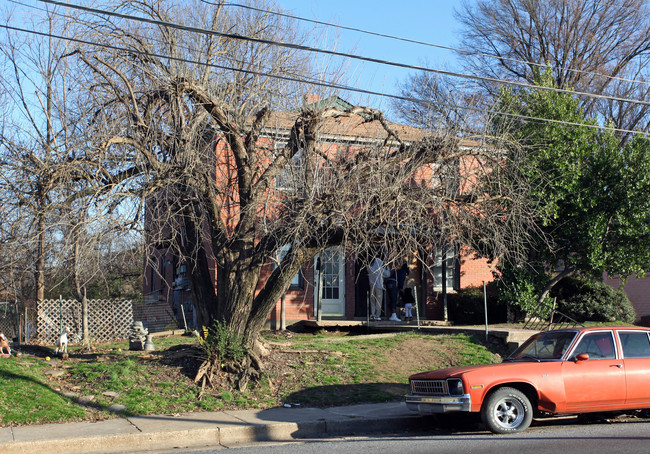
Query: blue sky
pixel 430 21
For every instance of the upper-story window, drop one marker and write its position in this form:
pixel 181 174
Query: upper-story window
pixel 446 177
pixel 291 177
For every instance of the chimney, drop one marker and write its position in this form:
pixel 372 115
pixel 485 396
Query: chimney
pixel 310 98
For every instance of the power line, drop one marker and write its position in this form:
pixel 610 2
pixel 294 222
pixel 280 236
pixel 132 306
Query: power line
pixel 322 84
pixel 408 40
pixel 424 43
pixel 305 78
pixel 340 54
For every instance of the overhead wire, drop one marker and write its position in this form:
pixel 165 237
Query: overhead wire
pixel 324 84
pixel 312 82
pixel 422 43
pixel 305 78
pixel 340 54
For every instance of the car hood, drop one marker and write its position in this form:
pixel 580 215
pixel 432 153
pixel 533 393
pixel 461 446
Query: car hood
pixel 447 372
pixel 488 368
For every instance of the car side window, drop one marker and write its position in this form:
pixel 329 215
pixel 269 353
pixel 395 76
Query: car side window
pixel 597 346
pixel 635 344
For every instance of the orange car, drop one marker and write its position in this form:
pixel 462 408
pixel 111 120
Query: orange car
pixel 570 371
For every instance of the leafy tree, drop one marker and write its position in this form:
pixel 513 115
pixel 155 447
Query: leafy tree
pixel 593 46
pixel 590 188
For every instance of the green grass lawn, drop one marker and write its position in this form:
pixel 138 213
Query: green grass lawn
pixel 322 369
pixel 26 396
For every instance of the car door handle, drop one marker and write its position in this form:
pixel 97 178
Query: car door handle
pixel 617 365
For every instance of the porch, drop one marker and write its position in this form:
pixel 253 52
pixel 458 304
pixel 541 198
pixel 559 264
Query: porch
pixel 508 336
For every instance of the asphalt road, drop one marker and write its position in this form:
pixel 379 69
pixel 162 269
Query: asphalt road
pixel 617 437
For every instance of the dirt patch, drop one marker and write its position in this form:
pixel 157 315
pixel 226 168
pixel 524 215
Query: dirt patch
pixel 417 354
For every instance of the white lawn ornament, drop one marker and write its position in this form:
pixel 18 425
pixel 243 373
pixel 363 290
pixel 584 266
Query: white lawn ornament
pixel 62 342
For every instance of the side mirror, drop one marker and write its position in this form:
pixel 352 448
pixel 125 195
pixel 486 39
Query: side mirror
pixel 582 357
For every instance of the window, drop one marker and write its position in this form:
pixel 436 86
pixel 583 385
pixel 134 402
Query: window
pixel 291 177
pixel 549 345
pixel 598 345
pixel 330 263
pixel 296 282
pixel 635 344
pixel 450 265
pixel 446 177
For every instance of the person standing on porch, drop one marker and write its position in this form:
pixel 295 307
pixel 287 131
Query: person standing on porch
pixel 394 286
pixel 376 275
pixel 409 300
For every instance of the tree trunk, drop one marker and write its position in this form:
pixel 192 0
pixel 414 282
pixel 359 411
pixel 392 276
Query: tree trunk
pixel 84 319
pixel 568 271
pixel 40 258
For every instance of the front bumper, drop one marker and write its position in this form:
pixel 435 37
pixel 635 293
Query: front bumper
pixel 427 405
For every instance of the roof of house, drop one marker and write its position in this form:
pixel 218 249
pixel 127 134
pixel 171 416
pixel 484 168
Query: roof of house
pixel 349 129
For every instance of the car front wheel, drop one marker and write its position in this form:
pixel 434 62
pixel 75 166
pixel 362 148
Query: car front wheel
pixel 507 410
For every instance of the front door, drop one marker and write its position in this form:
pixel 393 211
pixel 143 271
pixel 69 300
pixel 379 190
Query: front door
pixel 331 282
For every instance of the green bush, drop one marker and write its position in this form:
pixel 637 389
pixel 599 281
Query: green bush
pixel 221 343
pixel 586 299
pixel 467 307
pixel 520 289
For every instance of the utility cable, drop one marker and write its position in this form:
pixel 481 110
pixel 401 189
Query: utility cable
pixel 323 84
pixel 423 43
pixel 341 54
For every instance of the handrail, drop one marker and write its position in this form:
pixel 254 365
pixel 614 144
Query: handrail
pixel 556 319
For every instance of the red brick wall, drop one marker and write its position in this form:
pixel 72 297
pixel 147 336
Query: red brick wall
pixel 299 302
pixel 473 271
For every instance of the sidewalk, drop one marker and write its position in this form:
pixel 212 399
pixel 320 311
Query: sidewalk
pixel 197 430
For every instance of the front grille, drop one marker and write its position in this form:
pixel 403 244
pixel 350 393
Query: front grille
pixel 429 387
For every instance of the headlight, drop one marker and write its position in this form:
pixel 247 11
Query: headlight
pixel 455 386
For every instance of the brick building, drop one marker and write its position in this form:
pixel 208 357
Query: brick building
pixel 340 277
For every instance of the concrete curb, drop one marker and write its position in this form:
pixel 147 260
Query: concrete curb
pixel 337 423
pixel 116 443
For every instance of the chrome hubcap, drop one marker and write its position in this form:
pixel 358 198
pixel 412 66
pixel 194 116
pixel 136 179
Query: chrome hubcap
pixel 509 413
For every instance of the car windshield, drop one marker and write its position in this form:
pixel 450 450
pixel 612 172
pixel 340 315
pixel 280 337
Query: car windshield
pixel 543 346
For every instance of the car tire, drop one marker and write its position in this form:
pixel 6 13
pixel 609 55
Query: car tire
pixel 507 410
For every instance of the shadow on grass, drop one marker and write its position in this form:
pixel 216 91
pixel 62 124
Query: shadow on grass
pixel 34 386
pixel 349 394
pixel 186 356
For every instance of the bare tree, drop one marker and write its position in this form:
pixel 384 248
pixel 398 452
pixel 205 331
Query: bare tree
pixel 53 216
pixel 590 45
pixel 203 126
pixel 431 101
pixel 35 141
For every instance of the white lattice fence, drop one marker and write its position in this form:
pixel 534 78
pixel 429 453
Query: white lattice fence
pixel 108 320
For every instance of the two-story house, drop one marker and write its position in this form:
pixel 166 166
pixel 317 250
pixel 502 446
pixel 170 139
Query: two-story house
pixel 335 284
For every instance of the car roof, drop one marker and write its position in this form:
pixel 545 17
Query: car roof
pixel 581 329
